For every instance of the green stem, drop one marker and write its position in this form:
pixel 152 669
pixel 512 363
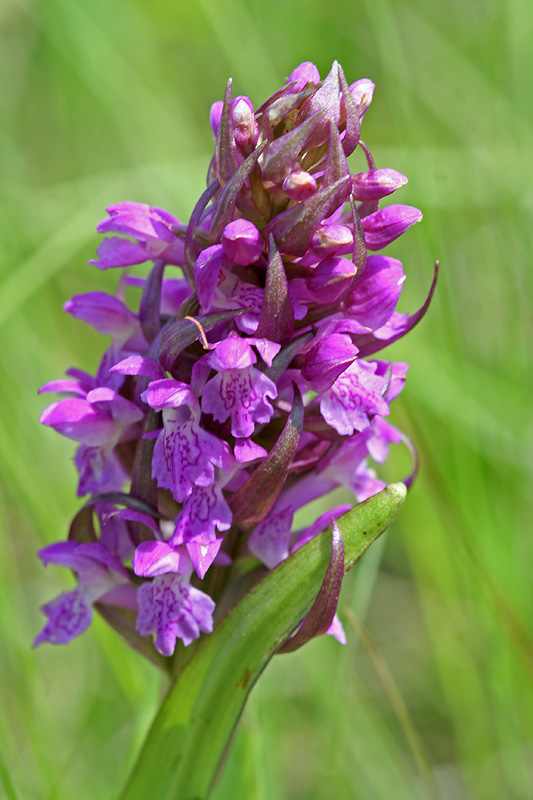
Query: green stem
pixel 188 738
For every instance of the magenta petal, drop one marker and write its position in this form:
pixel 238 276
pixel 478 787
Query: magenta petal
pixel 107 314
pixel 355 396
pixel 326 360
pixel 79 420
pixel 384 226
pixel 158 558
pixel 117 252
pixel 72 387
pixel 168 393
pixel 270 540
pixel 375 293
pixel 140 365
pixel 68 615
pixel 203 553
pixel 242 242
pixel 304 74
pixel 207 270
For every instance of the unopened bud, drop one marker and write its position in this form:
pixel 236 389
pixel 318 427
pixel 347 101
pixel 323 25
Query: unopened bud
pixel 332 240
pixel 376 183
pixel 304 75
pixel 362 92
pixel 299 185
pixel 214 116
pixel 242 242
pixel 246 130
pixel 330 279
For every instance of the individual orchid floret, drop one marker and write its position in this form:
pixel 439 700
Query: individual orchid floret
pixel 99 422
pixel 331 240
pixel 171 608
pixel 239 391
pixel 270 540
pixel 185 454
pixel 204 511
pixel 101 577
pixel 155 232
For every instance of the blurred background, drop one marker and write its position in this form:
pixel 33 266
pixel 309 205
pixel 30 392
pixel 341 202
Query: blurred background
pixel 432 696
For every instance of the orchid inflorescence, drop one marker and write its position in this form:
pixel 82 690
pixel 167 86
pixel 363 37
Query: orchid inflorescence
pixel 242 389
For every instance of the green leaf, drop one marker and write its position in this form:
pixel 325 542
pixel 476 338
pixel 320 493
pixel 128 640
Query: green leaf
pixel 193 727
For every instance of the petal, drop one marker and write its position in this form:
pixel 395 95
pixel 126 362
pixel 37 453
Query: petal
pixel 68 616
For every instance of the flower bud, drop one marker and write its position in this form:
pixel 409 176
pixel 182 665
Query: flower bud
pixel 304 75
pixel 376 183
pixel 214 116
pixel 246 130
pixel 331 279
pixel 327 359
pixel 299 185
pixel 384 226
pixel 362 92
pixel 242 242
pixel 332 240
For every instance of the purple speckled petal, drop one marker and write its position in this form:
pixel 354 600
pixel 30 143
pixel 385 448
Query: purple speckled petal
pixel 242 395
pixel 270 540
pixel 99 470
pixel 204 510
pixel 353 398
pixel 172 609
pixel 68 615
pixel 185 455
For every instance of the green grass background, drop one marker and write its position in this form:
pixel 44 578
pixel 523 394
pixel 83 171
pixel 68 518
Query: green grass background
pixel 103 102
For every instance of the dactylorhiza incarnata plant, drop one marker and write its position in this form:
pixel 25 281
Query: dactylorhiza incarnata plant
pixel 245 386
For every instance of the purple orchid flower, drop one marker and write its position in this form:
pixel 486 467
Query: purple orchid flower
pixel 240 391
pixel 101 576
